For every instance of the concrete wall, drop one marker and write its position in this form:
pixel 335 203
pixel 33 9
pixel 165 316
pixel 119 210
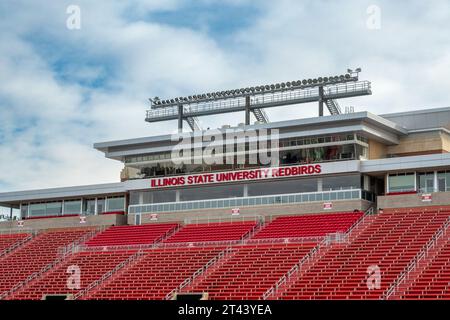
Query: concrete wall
pixel 194 215
pixel 419 143
pixel 377 150
pixel 413 200
pixel 66 222
pixel 269 210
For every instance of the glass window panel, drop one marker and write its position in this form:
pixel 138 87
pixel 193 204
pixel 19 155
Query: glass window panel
pixel 54 208
pixel 100 205
pixel 401 183
pixel 211 192
pixel 89 206
pixel 116 204
pixel 72 207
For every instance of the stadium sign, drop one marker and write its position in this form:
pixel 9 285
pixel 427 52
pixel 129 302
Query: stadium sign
pixel 327 206
pixel 236 176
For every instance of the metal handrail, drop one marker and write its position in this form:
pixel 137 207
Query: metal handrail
pixel 109 274
pixel 199 272
pixel 294 270
pixel 17 244
pixel 263 99
pixel 405 274
pixel 272 200
pixel 220 219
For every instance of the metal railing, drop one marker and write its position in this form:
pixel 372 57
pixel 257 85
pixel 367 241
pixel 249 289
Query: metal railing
pixel 280 199
pixel 411 267
pixel 109 274
pixel 263 100
pixel 199 272
pixel 293 271
pixel 18 244
pixel 219 219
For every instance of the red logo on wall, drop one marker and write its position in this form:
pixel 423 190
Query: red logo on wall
pixel 82 219
pixel 235 211
pixel 20 223
pixel 234 176
pixel 327 206
pixel 427 197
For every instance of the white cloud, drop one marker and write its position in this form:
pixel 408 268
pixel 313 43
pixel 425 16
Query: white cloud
pixel 49 119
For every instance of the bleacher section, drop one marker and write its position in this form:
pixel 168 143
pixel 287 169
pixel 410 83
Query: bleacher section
pixel 220 231
pixel 92 266
pixel 239 260
pixel 34 255
pixel 389 242
pixel 132 235
pixel 314 225
pixel 156 274
pixel 251 270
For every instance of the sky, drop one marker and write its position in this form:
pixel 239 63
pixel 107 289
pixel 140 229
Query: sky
pixel 65 85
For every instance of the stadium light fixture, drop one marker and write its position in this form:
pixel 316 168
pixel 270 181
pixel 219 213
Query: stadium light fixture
pixel 350 75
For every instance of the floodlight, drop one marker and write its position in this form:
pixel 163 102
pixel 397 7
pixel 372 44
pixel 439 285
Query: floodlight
pixel 358 70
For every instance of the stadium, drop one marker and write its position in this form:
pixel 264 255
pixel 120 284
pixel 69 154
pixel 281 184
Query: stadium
pixel 345 205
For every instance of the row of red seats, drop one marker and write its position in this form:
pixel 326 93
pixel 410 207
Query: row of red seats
pixel 309 225
pixel 132 235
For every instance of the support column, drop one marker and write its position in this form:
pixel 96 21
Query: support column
pixel 180 118
pixel 320 101
pixel 386 184
pixel 10 213
pixel 245 190
pixel 319 184
pixel 435 182
pixel 247 110
pixel 177 196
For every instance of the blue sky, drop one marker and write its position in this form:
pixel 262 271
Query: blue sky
pixel 62 90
